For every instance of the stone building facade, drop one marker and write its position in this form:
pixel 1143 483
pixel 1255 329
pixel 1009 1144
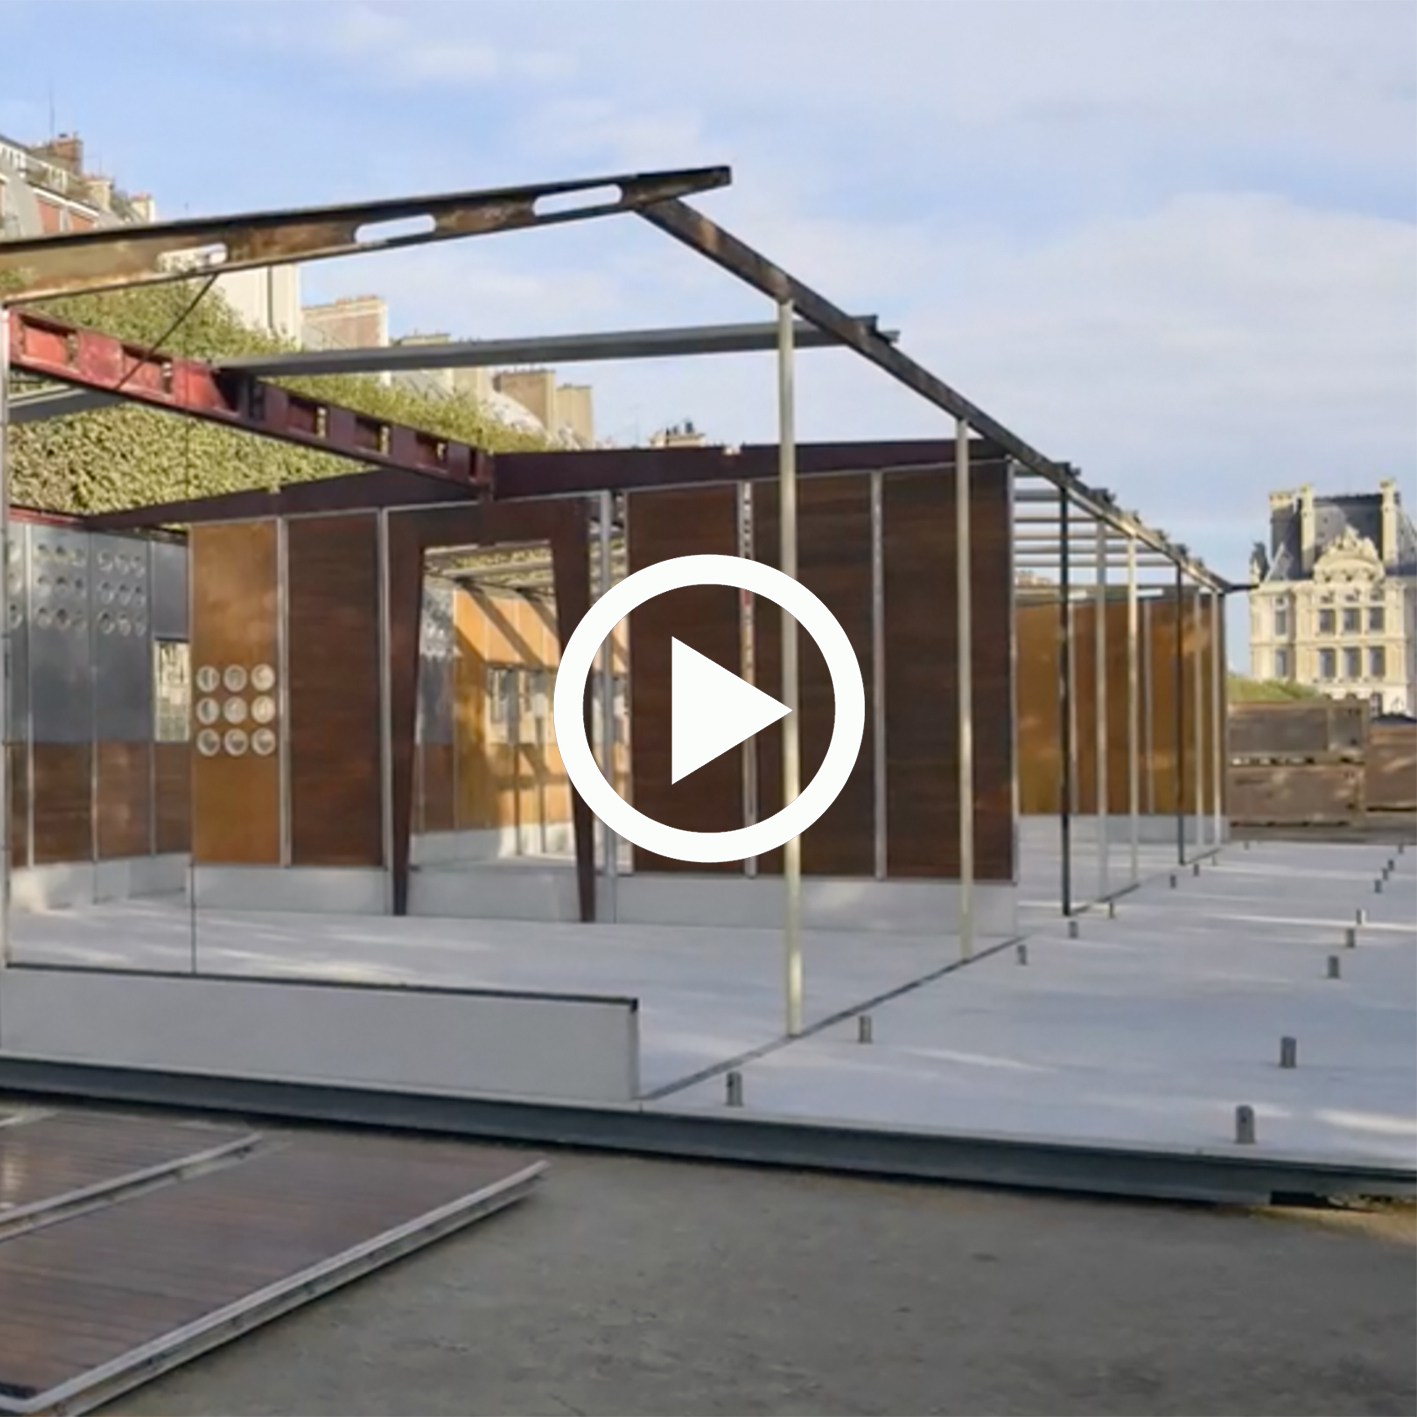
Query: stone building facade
pixel 1334 603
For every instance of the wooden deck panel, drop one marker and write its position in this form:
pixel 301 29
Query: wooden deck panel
pixel 85 1292
pixel 51 1157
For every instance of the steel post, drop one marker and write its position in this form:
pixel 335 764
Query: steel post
pixel 964 650
pixel 5 637
pixel 1099 717
pixel 791 744
pixel 1133 716
pixel 1180 706
pixel 1198 686
pixel 1065 707
pixel 1220 747
pixel 611 842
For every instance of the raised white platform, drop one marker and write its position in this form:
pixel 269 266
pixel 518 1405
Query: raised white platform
pixel 65 885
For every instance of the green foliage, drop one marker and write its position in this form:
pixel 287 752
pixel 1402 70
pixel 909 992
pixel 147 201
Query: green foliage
pixel 1244 690
pixel 127 456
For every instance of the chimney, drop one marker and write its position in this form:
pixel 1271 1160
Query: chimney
pixel 144 208
pixel 1306 527
pixel 67 150
pixel 101 192
pixel 1388 550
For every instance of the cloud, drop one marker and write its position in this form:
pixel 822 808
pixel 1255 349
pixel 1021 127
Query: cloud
pixel 400 45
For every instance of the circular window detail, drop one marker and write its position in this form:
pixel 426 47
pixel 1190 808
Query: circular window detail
pixel 42 582
pixel 17 616
pixel 125 625
pixel 263 709
pixel 263 678
pixel 61 619
pixel 79 620
pixel 234 710
pixel 140 626
pixel 78 585
pixel 236 742
pixel 209 742
pixel 42 617
pixel 234 678
pixel 208 710
pixel 105 561
pixel 105 623
pixel 105 592
pixel 208 679
pixel 263 742
pixel 124 595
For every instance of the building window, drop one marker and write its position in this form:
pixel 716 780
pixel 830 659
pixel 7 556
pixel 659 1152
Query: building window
pixel 1328 664
pixel 1327 623
pixel 1352 663
pixel 1281 664
pixel 1377 662
pixel 1377 620
pixel 1375 702
pixel 1281 619
pixel 1352 621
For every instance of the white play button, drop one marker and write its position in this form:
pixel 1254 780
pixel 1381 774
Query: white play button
pixel 712 711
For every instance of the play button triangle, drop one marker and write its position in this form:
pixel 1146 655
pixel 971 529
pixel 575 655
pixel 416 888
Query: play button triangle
pixel 712 710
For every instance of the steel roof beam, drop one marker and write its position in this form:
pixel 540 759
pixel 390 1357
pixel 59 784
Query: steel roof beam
pixel 698 232
pixel 545 349
pixel 175 250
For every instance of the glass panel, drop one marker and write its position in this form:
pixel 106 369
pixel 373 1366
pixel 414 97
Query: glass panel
pixel 1351 622
pixel 1377 662
pixel 1328 664
pixel 1351 664
pixel 1326 622
pixel 1377 620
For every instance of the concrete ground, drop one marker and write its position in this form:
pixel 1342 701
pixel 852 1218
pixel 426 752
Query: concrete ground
pixel 641 1286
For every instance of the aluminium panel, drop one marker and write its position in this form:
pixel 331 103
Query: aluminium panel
pixel 59 635
pixel 120 603
pixel 169 590
pixel 17 613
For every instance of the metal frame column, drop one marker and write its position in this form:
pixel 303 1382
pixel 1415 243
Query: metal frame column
pixel 964 669
pixel 1065 706
pixel 5 813
pixel 610 841
pixel 1099 716
pixel 791 737
pixel 1220 749
pixel 1199 657
pixel 1180 693
pixel 1133 718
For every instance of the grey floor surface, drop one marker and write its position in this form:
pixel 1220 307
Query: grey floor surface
pixel 641 1286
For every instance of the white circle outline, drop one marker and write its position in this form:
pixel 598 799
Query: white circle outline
pixel 761 837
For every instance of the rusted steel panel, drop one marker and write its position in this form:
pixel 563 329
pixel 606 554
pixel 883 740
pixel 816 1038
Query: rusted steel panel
pixel 1301 729
pixel 1297 793
pixel 1392 767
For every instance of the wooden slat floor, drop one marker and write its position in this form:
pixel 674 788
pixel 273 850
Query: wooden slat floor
pixel 48 1157
pixel 87 1291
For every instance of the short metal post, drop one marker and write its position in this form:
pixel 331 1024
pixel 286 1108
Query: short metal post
pixel 1111 909
pixel 865 1030
pixel 1335 969
pixel 964 647
pixel 791 742
pixel 1288 1053
pixel 1021 954
pixel 1073 930
pixel 1378 886
pixel 1350 938
pixel 733 1088
pixel 1245 1126
pixel 1360 916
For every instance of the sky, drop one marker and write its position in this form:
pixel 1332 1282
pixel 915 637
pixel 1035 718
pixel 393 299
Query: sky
pixel 1171 243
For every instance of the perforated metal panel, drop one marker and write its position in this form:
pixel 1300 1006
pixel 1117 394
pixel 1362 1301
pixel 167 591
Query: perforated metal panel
pixel 435 665
pixel 169 590
pixel 16 596
pixel 121 608
pixel 59 576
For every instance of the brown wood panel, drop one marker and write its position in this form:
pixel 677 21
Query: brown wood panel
pixel 124 808
pixel 85 1293
pixel 662 525
pixel 19 785
pixel 173 804
pixel 1040 744
pixel 63 803
pixel 336 813
pixel 834 562
pixel 235 800
pixel 921 710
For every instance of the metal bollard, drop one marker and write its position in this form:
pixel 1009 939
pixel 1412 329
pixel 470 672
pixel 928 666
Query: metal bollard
pixel 735 1089
pixel 1072 929
pixel 1173 880
pixel 1288 1052
pixel 1021 954
pixel 1350 938
pixel 865 1030
pixel 1378 886
pixel 1360 916
pixel 1111 909
pixel 1247 843
pixel 1335 970
pixel 1245 1126
pixel 1196 869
